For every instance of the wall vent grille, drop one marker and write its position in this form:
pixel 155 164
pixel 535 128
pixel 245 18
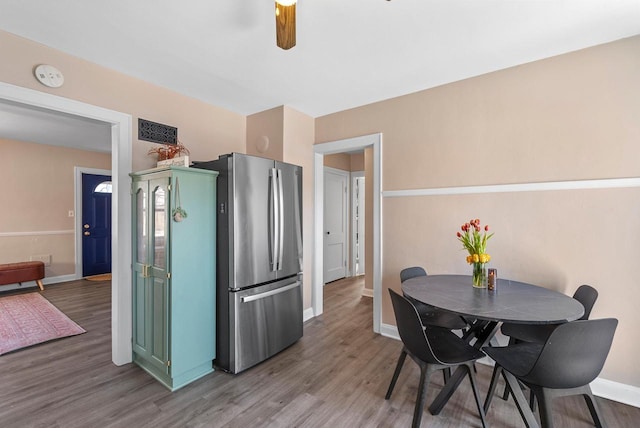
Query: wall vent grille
pixel 157 132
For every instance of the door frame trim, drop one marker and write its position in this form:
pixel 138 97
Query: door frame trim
pixel 354 176
pixel 319 150
pixel 77 206
pixel 121 154
pixel 345 217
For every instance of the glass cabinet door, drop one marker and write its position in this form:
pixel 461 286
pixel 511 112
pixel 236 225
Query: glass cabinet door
pixel 141 212
pixel 160 218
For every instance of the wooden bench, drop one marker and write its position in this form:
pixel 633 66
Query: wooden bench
pixel 17 273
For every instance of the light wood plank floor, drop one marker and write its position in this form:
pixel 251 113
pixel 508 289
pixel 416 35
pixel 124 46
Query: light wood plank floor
pixel 335 376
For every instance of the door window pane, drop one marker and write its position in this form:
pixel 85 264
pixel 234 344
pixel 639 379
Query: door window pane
pixel 104 187
pixel 141 226
pixel 160 226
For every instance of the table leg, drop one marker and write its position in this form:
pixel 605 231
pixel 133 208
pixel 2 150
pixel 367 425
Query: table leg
pixel 448 390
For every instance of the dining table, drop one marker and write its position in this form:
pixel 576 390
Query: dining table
pixel 485 310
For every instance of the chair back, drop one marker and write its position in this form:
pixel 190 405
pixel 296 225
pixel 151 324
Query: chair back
pixel 587 295
pixel 574 354
pixel 412 272
pixel 411 330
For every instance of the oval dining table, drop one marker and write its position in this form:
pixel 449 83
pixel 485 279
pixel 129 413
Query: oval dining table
pixel 485 310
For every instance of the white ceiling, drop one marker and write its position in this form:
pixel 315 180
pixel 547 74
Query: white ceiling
pixel 348 53
pixel 25 123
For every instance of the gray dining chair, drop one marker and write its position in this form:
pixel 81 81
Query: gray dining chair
pixel 430 315
pixel 433 349
pixel 539 333
pixel 585 294
pixel 572 356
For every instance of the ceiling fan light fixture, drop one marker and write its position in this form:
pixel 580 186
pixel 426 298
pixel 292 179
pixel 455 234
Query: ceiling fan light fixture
pixel 286 23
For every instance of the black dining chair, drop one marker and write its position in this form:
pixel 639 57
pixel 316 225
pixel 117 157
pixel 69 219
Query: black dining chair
pixel 539 333
pixel 430 315
pixel 433 349
pixel 572 356
pixel 585 294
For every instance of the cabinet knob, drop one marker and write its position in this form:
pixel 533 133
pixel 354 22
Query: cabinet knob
pixel 86 226
pixel 87 233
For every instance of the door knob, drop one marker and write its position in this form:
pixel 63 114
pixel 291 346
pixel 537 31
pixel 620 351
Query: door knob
pixel 87 233
pixel 86 226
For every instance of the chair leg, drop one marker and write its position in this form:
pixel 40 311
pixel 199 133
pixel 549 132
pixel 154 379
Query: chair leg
pixel 422 395
pixel 520 400
pixel 396 373
pixel 593 408
pixel 446 374
pixel 532 401
pixel 546 407
pixel 505 394
pixel 492 387
pixel 476 393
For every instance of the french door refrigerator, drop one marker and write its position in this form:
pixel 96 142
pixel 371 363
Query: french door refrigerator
pixel 259 270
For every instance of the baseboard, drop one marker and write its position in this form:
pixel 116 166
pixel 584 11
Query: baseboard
pixel 367 292
pixel 388 330
pixel 45 281
pixel 307 314
pixel 616 391
pixel 61 278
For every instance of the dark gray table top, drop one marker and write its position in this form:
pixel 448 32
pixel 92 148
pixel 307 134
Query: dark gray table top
pixel 514 302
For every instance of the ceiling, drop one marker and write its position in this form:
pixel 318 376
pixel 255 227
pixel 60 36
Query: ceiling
pixel 349 52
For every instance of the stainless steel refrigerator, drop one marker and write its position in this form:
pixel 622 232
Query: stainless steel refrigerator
pixel 259 260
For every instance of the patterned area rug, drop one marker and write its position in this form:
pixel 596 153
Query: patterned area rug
pixel 29 319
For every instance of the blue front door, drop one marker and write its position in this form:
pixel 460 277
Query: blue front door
pixel 96 224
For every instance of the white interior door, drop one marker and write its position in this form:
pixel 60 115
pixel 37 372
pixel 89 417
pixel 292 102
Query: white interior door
pixel 335 223
pixel 357 223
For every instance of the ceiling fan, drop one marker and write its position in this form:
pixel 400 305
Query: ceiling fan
pixel 286 23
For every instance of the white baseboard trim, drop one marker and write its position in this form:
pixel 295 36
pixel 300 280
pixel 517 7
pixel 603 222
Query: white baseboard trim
pixel 307 314
pixel 616 391
pixel 367 292
pixel 45 281
pixel 388 330
pixel 60 278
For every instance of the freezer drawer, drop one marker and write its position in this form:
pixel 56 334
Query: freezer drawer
pixel 267 320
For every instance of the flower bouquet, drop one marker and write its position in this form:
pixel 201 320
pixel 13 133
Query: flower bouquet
pixel 475 243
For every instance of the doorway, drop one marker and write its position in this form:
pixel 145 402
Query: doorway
pixel 96 224
pixel 121 138
pixel 373 141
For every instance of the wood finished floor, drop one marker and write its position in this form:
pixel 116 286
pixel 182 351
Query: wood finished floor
pixel 335 376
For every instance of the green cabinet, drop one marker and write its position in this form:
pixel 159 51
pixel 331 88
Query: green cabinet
pixel 174 273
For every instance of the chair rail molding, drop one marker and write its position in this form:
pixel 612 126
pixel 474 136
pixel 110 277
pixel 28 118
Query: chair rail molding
pixel 603 183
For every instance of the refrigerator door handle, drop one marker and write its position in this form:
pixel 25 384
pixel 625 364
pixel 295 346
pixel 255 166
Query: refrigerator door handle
pixel 270 292
pixel 281 219
pixel 273 220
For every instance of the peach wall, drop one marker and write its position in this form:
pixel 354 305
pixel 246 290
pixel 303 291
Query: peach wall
pixel 357 161
pixel 207 131
pixel 570 117
pixel 299 130
pixel 345 161
pixel 265 133
pixel 338 161
pixel 38 190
